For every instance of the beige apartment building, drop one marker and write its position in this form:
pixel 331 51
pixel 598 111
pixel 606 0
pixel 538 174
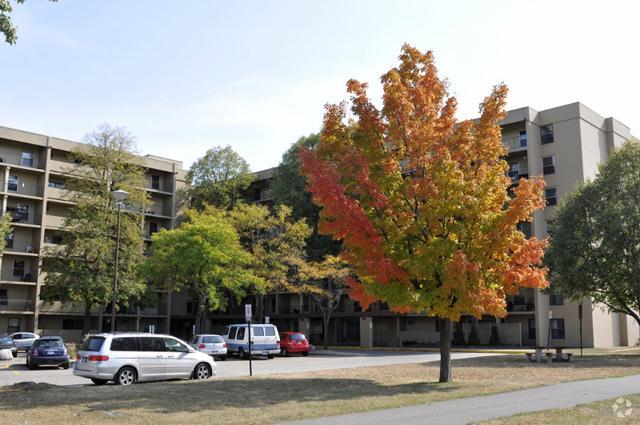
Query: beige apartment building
pixel 563 144
pixel 33 172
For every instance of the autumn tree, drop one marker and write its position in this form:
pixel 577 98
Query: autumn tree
pixel 82 270
pixel 289 187
pixel 219 178
pixel 595 238
pixel 421 201
pixel 276 242
pixel 204 257
pixel 6 25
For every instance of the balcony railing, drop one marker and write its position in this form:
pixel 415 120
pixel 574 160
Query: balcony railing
pixel 527 306
pixel 514 143
pixel 25 218
pixel 17 305
pixel 21 245
pixel 19 188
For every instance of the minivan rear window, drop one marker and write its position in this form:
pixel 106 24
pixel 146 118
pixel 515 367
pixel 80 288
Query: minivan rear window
pixel 124 344
pixel 94 343
pixel 270 331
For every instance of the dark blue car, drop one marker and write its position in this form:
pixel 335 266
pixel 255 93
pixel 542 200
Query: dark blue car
pixel 48 350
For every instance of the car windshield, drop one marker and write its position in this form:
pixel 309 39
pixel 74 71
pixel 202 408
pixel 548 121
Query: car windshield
pixel 48 343
pixel 297 337
pixel 212 339
pixel 94 343
pixel 6 340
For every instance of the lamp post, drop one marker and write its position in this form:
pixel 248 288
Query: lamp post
pixel 119 195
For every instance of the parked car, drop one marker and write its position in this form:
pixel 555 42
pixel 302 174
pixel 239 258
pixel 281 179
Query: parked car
pixel 126 358
pixel 212 345
pixel 7 343
pixel 265 340
pixel 24 340
pixel 293 342
pixel 48 350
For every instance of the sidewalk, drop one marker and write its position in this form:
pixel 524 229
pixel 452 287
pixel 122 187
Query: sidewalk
pixel 465 410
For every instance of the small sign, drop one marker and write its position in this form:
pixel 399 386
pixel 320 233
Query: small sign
pixel 247 312
pixel 152 329
pixel 193 330
pixel 550 315
pixel 266 319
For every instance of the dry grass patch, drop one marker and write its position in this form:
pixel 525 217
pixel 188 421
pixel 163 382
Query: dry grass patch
pixel 273 398
pixel 599 413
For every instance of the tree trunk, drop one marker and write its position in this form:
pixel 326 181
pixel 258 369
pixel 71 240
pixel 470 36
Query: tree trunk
pixel 86 323
pixel 445 350
pixel 325 332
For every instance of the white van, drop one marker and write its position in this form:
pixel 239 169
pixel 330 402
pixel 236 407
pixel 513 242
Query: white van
pixel 265 340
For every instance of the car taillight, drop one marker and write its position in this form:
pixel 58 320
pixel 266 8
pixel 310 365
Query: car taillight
pixel 224 345
pixel 94 358
pixel 78 357
pixel 64 352
pixel 201 346
pixel 34 353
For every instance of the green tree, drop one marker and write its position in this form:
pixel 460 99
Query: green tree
pixel 204 256
pixel 82 270
pixel 6 26
pixel 5 230
pixel 289 187
pixel 219 178
pixel 275 240
pixel 595 239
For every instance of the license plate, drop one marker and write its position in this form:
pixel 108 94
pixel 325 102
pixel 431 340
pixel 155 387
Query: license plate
pixel 50 353
pixel 83 359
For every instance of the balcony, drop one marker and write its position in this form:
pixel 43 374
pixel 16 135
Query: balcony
pixel 520 304
pixel 55 221
pixel 515 143
pixel 23 246
pixel 22 189
pixel 14 158
pixel 16 305
pixel 518 171
pixel 24 217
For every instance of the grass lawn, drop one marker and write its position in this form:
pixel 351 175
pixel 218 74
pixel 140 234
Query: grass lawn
pixel 593 413
pixel 273 398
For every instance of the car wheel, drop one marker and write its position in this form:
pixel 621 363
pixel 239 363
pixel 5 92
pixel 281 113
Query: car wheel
pixel 285 353
pixel 305 353
pixel 126 376
pixel 98 381
pixel 14 354
pixel 241 354
pixel 269 356
pixel 222 358
pixel 65 365
pixel 202 371
pixel 31 366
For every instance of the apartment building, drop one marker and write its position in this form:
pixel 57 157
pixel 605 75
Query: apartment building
pixel 33 172
pixel 564 145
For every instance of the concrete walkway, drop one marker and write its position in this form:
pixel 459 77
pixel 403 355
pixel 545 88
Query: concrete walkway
pixel 473 409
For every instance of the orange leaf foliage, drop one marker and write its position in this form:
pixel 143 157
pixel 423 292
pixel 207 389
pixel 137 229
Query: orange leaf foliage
pixel 421 201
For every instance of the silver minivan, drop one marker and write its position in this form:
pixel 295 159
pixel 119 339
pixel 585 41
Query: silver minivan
pixel 129 357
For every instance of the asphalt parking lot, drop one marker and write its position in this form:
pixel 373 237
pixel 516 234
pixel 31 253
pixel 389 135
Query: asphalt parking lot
pixel 14 371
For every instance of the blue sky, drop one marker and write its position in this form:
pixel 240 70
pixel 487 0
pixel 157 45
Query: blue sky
pixel 185 76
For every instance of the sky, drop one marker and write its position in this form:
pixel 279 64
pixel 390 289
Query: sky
pixel 185 76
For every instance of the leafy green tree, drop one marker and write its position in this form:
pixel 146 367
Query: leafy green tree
pixel 82 270
pixel 276 241
pixel 204 256
pixel 6 26
pixel 219 178
pixel 289 187
pixel 5 230
pixel 595 239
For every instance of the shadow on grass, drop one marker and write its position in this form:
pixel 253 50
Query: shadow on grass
pixel 192 396
pixel 521 361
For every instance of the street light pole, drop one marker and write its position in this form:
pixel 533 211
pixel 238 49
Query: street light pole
pixel 120 196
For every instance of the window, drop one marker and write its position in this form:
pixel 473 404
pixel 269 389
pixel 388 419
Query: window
pixel 155 182
pixel 27 159
pixel 270 331
pixel 232 332
pixel 21 213
pixel 383 306
pixel 550 196
pixel 519 300
pixel 557 328
pixel 174 346
pixel 48 343
pixel 152 344
pixel 8 241
pixel 13 183
pixel 18 268
pixel 71 324
pixel 546 134
pixel 556 299
pixel 548 165
pixel 523 138
pixel 124 344
pixel 240 334
pixel 153 227
pixel 297 337
pixel 514 171
pixel 94 343
pixel 532 328
pixel 4 299
pixel 403 324
pixel 56 184
pixel 212 339
pixel 257 331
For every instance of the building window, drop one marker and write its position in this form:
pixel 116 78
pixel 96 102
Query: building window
pixel 8 241
pixel 72 324
pixel 13 184
pixel 27 159
pixel 548 165
pixel 532 328
pixel 546 134
pixel 56 184
pixel 383 306
pixel 155 182
pixel 4 298
pixel 550 196
pixel 153 227
pixel 18 268
pixel 556 299
pixel 519 300
pixel 514 171
pixel 523 139
pixel 13 326
pixel 557 328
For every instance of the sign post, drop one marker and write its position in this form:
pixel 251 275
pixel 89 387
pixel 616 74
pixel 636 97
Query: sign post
pixel 580 320
pixel 549 332
pixel 247 316
pixel 152 329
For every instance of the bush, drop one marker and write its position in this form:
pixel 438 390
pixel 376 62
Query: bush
pixel 474 339
pixel 495 336
pixel 458 335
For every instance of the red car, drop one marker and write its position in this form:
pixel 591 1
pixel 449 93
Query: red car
pixel 293 342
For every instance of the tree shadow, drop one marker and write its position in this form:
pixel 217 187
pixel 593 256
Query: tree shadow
pixel 521 361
